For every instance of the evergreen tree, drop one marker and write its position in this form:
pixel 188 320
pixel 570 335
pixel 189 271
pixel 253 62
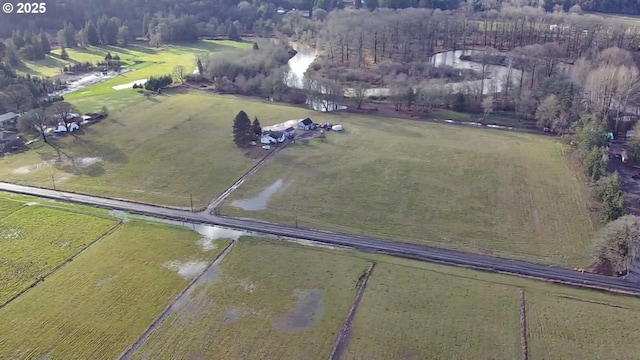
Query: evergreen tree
pixel 146 21
pixel 44 41
pixel 124 35
pixel 460 103
pixel 257 129
pixel 69 35
pixel 200 67
pixel 233 33
pixel 108 57
pixel 63 53
pixel 242 131
pixel 91 33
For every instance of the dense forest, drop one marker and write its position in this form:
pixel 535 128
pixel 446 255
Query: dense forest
pixel 214 16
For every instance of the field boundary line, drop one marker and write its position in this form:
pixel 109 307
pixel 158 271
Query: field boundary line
pixel 524 332
pixel 342 340
pixel 167 310
pixel 59 266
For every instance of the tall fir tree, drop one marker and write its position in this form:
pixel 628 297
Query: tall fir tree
pixel 44 41
pixel 242 131
pixel 256 128
pixel 91 32
pixel 63 53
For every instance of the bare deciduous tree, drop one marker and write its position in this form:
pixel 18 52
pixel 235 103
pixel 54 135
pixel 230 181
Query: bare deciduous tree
pixel 37 120
pixel 62 111
pixel 179 73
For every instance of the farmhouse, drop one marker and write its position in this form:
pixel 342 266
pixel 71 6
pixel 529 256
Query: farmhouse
pixel 306 124
pixel 272 137
pixel 9 120
pixel 290 132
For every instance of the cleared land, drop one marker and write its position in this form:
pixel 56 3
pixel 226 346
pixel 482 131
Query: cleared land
pixel 415 310
pixel 142 59
pixel 269 301
pixel 407 313
pixel 566 329
pixel 34 240
pixel 99 304
pixel 495 192
pixel 158 151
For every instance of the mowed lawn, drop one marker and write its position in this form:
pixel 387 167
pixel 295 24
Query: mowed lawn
pixel 269 301
pixel 501 193
pixel 416 310
pixel 34 240
pixel 409 313
pixel 100 303
pixel 159 150
pixel 143 60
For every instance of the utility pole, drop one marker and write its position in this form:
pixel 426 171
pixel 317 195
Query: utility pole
pixel 53 181
pixel 295 210
pixel 191 200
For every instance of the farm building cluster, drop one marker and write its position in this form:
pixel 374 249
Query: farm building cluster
pixel 274 134
pixel 11 140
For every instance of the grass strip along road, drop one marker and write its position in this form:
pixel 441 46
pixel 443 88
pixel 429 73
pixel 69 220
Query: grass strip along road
pixel 366 244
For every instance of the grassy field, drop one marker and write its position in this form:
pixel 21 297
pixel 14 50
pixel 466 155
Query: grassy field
pixel 142 59
pixel 159 150
pixel 486 191
pixel 564 328
pixel 263 307
pixel 414 310
pixel 408 313
pixel 100 303
pixel 36 239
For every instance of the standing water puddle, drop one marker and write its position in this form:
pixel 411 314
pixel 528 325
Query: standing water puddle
pixel 209 231
pixel 259 202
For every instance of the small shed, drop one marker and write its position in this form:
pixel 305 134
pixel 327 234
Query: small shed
pixel 9 120
pixel 306 124
pixel 290 132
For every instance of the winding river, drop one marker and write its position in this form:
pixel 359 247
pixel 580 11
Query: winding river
pixel 496 76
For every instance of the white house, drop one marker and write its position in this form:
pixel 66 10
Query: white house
pixel 306 124
pixel 272 137
pixel 62 128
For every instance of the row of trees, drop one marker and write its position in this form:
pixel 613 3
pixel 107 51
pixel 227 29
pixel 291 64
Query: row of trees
pixel 156 83
pixel 31 46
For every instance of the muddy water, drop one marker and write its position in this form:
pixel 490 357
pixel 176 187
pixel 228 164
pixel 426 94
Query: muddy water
pixel 259 202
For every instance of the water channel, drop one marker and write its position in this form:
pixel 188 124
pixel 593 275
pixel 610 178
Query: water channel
pixel 496 75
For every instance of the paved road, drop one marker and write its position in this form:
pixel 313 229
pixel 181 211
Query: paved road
pixel 406 250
